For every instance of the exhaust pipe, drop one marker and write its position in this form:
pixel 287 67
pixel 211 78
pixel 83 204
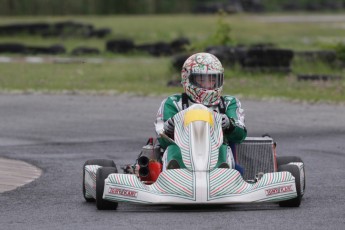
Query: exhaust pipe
pixel 144 173
pixel 143 161
pixel 150 173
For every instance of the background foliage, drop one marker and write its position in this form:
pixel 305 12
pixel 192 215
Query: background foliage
pixel 101 7
pixel 106 7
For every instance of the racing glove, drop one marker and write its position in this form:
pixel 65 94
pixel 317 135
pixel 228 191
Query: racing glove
pixel 169 127
pixel 228 124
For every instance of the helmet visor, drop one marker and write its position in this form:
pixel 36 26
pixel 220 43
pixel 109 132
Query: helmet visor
pixel 207 81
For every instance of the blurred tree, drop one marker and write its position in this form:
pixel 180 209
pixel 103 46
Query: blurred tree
pixel 220 37
pixel 71 7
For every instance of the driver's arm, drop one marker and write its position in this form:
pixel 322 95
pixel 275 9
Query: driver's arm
pixel 234 111
pixel 167 109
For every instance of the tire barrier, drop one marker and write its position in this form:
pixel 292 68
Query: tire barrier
pixel 85 50
pixel 54 50
pixel 318 77
pixel 100 33
pixel 267 59
pixel 178 61
pixel 114 46
pixel 59 29
pixel 13 48
pixel 260 57
pixel 120 46
pixel 229 56
pixel 21 28
pixel 16 48
pixel 179 45
pixel 256 58
pixel 156 49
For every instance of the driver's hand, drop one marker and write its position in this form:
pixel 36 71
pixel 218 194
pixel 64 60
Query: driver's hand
pixel 227 123
pixel 169 127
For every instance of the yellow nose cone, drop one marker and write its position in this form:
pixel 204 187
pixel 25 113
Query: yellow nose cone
pixel 198 115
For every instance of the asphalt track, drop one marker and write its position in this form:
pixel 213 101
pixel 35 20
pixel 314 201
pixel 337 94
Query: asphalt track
pixel 58 133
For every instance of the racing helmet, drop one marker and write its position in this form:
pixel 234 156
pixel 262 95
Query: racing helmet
pixel 202 78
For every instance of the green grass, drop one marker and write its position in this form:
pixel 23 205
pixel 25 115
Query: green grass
pixel 145 75
pixel 149 76
pixel 269 86
pixel 125 75
pixel 246 29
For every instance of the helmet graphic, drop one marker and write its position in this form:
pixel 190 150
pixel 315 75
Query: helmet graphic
pixel 202 78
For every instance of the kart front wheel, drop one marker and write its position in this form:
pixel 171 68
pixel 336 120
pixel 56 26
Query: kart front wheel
pixel 100 162
pixel 295 171
pixel 101 175
pixel 283 160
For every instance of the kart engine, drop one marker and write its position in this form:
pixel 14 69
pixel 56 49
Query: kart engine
pixel 149 162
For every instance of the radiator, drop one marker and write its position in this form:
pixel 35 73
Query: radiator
pixel 256 154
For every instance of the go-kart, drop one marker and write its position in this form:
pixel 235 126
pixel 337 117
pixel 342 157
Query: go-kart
pixel 198 133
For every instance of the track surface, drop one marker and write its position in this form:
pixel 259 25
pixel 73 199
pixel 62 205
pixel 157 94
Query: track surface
pixel 59 133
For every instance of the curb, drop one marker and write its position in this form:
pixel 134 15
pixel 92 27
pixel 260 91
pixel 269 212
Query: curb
pixel 15 173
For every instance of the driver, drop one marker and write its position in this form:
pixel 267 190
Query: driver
pixel 202 81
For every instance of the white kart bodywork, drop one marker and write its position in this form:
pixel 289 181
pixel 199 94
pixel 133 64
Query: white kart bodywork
pixel 199 135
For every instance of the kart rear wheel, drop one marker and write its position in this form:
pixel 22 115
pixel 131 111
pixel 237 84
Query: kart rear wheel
pixel 295 171
pixel 101 175
pixel 100 162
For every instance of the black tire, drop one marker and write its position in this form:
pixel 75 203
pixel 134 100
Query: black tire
pixel 294 170
pixel 101 175
pixel 283 160
pixel 100 162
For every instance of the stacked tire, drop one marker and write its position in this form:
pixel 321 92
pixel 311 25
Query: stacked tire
pixel 267 59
